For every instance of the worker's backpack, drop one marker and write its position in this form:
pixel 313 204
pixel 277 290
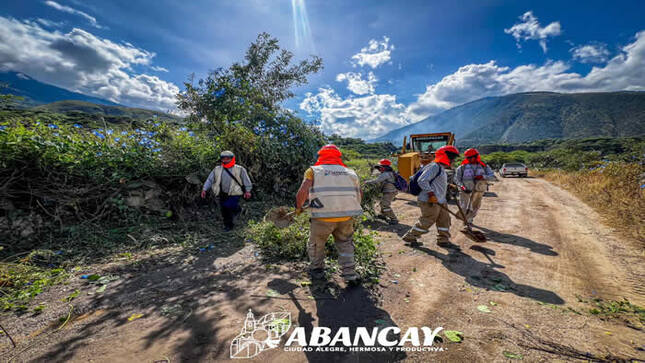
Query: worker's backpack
pixel 414 187
pixel 400 183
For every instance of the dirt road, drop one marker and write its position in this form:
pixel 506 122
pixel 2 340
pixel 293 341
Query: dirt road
pixel 546 255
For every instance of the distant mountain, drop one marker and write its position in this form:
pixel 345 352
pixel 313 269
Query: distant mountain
pixel 532 116
pixel 45 97
pixel 111 112
pixel 38 93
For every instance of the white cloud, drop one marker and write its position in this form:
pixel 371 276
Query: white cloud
pixel 625 71
pixel 159 69
pixel 82 62
pixel 49 23
pixel 357 84
pixel 530 29
pixel 375 54
pixel 70 10
pixel 366 117
pixel 590 53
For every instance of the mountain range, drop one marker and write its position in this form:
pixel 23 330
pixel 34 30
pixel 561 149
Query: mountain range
pixel 38 93
pixel 40 96
pixel 525 117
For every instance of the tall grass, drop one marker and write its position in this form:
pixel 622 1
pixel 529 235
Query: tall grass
pixel 615 190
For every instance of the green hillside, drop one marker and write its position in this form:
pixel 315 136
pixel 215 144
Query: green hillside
pixel 72 107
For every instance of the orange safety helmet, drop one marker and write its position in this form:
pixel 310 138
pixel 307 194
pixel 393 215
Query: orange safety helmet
pixel 385 162
pixel 471 152
pixel 328 147
pixel 441 155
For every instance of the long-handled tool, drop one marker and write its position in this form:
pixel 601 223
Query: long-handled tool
pixel 281 217
pixel 476 236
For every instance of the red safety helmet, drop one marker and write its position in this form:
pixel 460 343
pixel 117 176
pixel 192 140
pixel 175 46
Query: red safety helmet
pixel 442 154
pixel 328 147
pixel 471 152
pixel 385 162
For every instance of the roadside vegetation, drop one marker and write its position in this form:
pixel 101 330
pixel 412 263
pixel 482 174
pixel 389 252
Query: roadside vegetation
pixel 606 173
pixel 76 192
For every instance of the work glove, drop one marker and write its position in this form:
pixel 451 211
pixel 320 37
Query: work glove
pixel 479 177
pixel 465 190
pixel 203 194
pixel 247 195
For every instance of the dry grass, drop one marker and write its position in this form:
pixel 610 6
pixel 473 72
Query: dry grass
pixel 613 190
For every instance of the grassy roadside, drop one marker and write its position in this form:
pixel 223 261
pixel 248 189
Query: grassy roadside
pixel 614 189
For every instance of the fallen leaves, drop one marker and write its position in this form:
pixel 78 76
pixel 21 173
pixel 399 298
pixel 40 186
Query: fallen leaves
pixel 135 316
pixel 454 335
pixel 511 355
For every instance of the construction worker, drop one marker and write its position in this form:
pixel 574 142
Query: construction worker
pixel 335 197
pixel 472 178
pixel 386 180
pixel 433 181
pixel 229 181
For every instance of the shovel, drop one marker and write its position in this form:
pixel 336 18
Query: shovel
pixel 476 236
pixel 281 217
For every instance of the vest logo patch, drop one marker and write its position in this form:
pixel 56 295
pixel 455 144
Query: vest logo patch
pixel 335 173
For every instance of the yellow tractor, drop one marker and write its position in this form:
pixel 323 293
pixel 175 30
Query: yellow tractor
pixel 419 150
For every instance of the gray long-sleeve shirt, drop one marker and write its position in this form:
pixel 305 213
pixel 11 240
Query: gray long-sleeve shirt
pixel 466 173
pixel 387 180
pixel 439 185
pixel 226 180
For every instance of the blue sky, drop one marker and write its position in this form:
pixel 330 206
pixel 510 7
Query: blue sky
pixel 387 63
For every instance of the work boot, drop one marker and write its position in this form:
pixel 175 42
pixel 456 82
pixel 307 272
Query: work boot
pixel 317 274
pixel 393 222
pixel 444 243
pixel 409 239
pixel 381 216
pixel 412 242
pixel 352 279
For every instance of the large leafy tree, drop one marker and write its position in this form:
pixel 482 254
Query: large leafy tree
pixel 250 92
pixel 240 107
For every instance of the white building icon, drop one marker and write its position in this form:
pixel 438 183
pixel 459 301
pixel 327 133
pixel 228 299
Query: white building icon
pixel 259 335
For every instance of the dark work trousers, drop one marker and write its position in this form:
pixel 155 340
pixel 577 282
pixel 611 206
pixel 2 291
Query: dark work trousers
pixel 230 207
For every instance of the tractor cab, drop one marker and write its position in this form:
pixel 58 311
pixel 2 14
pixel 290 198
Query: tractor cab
pixel 419 150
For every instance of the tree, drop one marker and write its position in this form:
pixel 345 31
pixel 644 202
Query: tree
pixel 248 93
pixel 240 109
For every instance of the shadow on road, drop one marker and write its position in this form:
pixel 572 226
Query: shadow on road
pixel 484 275
pixel 337 307
pixel 516 240
pixel 154 285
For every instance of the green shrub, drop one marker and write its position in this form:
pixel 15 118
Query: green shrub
pixel 290 244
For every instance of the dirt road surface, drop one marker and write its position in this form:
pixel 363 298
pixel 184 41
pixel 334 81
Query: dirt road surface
pixel 547 254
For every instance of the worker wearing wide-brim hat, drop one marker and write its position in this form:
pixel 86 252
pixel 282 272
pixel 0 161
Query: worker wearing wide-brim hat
pixel 229 181
pixel 386 180
pixel 334 195
pixel 433 181
pixel 472 178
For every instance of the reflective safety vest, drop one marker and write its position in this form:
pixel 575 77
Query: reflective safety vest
pixel 234 188
pixel 335 192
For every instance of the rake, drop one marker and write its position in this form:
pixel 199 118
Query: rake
pixel 476 236
pixel 281 217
